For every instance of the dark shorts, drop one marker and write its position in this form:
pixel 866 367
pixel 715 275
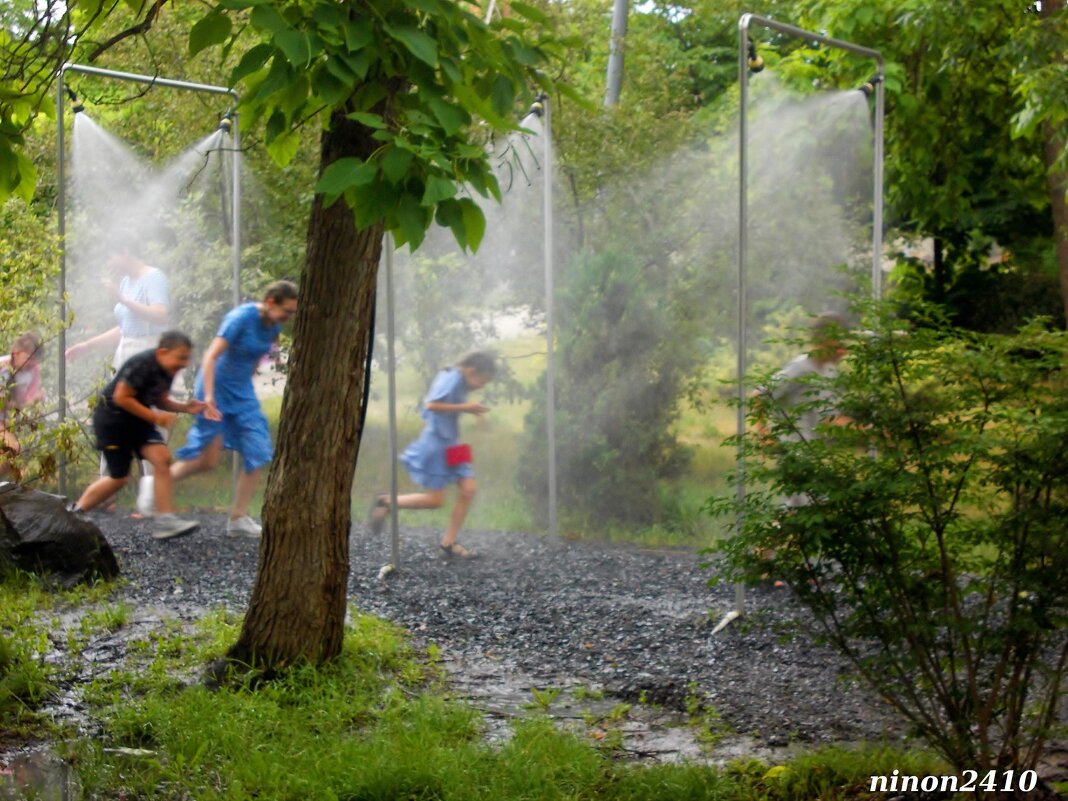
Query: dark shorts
pixel 119 441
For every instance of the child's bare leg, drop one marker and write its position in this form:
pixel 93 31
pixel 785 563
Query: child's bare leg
pixel 246 486
pixel 467 488
pixel 208 459
pixel 159 456
pixel 99 491
pixel 434 499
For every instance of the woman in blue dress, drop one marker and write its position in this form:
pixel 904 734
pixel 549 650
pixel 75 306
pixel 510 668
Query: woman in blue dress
pixel 437 459
pixel 232 417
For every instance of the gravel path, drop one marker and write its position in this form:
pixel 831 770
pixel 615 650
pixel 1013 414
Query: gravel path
pixel 635 622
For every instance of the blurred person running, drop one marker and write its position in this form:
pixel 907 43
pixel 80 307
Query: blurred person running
pixel 232 417
pixel 437 458
pixel 127 419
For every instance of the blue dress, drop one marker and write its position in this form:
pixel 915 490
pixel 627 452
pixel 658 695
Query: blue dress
pixel 244 426
pixel 425 458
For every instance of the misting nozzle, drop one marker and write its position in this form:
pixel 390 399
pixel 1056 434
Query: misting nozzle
pixel 76 104
pixel 756 63
pixel 227 122
pixel 868 87
pixel 538 106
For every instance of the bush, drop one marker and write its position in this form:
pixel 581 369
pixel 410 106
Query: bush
pixel 932 549
pixel 622 361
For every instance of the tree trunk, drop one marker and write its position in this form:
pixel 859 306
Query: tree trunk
pixel 1057 178
pixel 1057 182
pixel 297 610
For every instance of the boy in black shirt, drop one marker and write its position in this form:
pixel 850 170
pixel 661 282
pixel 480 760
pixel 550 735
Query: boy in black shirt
pixel 125 424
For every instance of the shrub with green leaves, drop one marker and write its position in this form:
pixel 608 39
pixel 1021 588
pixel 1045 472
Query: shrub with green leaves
pixel 932 549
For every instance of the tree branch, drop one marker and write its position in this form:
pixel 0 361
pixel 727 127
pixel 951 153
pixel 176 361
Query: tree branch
pixel 134 30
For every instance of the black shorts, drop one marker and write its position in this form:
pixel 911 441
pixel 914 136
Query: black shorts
pixel 120 440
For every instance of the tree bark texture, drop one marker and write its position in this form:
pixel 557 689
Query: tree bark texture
pixel 1057 182
pixel 297 609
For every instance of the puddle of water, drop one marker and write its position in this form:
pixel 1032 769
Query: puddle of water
pixel 504 694
pixel 37 774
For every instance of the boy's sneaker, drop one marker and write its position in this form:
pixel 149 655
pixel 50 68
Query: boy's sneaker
pixel 168 526
pixel 243 527
pixel 146 496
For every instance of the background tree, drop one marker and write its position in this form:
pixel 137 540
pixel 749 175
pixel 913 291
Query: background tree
pixel 973 120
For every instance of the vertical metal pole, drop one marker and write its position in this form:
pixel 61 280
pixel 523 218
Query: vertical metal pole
pixel 877 206
pixel 391 355
pixel 235 247
pixel 61 207
pixel 743 254
pixel 614 78
pixel 550 318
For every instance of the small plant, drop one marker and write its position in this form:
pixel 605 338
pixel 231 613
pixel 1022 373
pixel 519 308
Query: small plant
pixel 543 699
pixel 586 693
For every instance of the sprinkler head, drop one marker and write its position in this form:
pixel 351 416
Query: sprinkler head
pixel 538 106
pixel 76 104
pixel 868 87
pixel 755 62
pixel 226 123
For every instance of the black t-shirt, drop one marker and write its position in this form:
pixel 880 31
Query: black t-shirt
pixel 145 377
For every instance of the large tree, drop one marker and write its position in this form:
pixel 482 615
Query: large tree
pixel 402 90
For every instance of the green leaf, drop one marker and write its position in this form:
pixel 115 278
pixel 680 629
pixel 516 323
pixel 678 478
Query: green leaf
pixel 370 204
pixel 267 18
pixel 296 46
pixel 474 222
pixel 253 60
pixel 419 44
pixel 451 117
pixel 284 147
pixel 329 17
pixel 395 163
pixel 530 12
pixel 209 30
pixel 503 95
pixel 451 214
pixel 437 190
pixel 368 119
pixel 358 34
pixel 329 88
pixel 412 219
pixel 344 174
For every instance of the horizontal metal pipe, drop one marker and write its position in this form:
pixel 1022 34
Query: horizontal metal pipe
pixel 801 33
pixel 151 80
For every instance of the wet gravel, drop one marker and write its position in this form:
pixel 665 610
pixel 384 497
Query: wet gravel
pixel 636 622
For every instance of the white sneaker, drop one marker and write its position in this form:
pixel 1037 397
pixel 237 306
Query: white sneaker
pixel 243 527
pixel 146 496
pixel 169 525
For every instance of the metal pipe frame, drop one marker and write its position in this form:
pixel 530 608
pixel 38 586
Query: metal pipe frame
pixel 61 205
pixel 743 208
pixel 550 313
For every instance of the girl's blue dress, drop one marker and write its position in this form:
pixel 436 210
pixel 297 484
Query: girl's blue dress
pixel 425 458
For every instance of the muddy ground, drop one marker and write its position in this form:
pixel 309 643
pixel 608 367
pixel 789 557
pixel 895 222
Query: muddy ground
pixel 534 611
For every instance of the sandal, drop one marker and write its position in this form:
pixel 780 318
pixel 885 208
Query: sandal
pixel 376 515
pixel 456 549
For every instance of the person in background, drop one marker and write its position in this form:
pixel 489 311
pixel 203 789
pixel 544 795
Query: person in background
pixel 20 386
pixel 127 420
pixel 792 386
pixel 437 458
pixel 142 313
pixel 232 416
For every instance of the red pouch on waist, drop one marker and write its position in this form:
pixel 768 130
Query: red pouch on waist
pixel 456 455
